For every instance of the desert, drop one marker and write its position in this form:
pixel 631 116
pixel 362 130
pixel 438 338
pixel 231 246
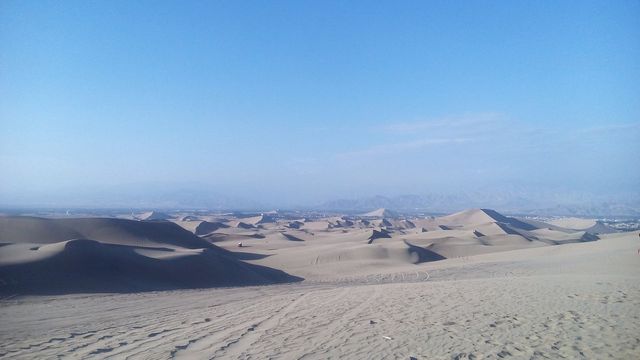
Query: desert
pixel 475 284
pixel 304 179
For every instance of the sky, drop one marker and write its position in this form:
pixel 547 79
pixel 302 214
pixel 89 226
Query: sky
pixel 299 102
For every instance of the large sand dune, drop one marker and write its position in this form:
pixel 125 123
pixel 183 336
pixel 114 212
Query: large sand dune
pixel 115 255
pixel 589 225
pixel 154 215
pixel 360 244
pixel 381 213
pixel 106 230
pixel 201 227
pixel 476 217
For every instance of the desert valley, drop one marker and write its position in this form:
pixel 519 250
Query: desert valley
pixel 474 284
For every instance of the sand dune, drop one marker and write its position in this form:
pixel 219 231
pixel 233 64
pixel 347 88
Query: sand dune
pixel 189 218
pixel 336 243
pixel 572 301
pixel 381 223
pixel 265 218
pixel 601 228
pixel 241 225
pixel 381 213
pixel 44 256
pixel 341 223
pixel 589 225
pixel 154 215
pixel 106 230
pixel 404 224
pixel 476 284
pixel 201 227
pixel 314 250
pixel 90 266
pixel 378 234
pixel 317 225
pixel 295 224
pixel 475 217
pixel 121 254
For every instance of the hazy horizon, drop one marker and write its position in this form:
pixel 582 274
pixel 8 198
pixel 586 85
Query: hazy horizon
pixel 301 103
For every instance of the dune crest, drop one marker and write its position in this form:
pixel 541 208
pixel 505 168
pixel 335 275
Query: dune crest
pixel 154 215
pixel 381 213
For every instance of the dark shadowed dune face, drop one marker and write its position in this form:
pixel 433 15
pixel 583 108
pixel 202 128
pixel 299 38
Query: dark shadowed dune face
pixel 58 256
pixel 291 237
pixel 206 227
pixel 421 254
pixel 378 234
pixel 508 220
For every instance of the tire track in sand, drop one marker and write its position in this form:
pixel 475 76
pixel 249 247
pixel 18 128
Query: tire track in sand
pixel 236 347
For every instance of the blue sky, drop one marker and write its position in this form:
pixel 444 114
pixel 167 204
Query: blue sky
pixel 304 101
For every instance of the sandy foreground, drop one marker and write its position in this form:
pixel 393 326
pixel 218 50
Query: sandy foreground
pixel 578 300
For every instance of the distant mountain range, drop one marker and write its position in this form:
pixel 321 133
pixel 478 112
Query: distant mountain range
pixel 512 200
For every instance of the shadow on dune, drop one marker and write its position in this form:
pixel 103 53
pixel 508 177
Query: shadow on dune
pixel 508 220
pixel 248 256
pixel 114 255
pixel 423 255
pixel 378 234
pixel 88 266
pixel 217 237
pixel 291 237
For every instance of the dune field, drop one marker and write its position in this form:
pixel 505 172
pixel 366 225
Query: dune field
pixel 471 285
pixel 415 180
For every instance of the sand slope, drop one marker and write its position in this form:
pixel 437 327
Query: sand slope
pixel 44 256
pixel 578 300
pixel 476 217
pixel 381 213
pixel 106 230
pixel 154 215
pixel 346 245
pixel 201 227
